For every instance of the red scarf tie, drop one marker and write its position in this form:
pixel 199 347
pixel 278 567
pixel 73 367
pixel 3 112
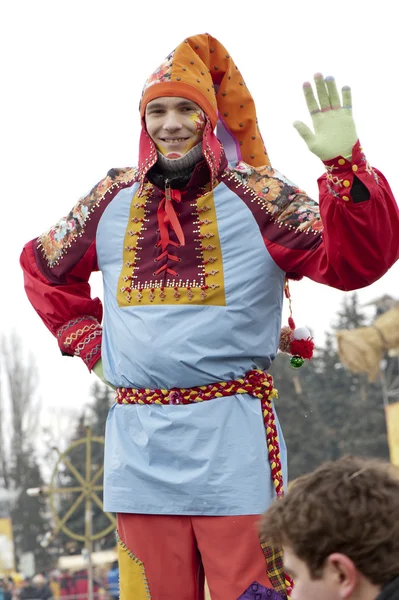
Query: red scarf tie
pixel 167 217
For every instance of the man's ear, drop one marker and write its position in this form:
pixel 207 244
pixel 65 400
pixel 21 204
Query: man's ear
pixel 343 569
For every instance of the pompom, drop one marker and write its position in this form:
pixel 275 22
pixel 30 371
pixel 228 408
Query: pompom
pixel 302 348
pixel 286 338
pixel 302 333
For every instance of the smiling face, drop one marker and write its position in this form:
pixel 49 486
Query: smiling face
pixel 175 125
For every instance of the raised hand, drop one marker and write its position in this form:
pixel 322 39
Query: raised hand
pixel 334 128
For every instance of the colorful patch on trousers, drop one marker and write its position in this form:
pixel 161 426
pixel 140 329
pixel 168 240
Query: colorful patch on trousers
pixel 256 591
pixel 275 569
pixel 132 576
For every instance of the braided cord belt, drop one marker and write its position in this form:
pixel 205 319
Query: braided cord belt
pixel 255 383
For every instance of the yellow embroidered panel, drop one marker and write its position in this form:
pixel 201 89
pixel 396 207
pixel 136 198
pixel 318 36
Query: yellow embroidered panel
pixel 132 577
pixel 195 271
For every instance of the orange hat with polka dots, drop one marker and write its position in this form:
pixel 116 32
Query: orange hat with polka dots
pixel 202 70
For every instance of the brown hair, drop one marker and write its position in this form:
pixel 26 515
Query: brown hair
pixel 349 506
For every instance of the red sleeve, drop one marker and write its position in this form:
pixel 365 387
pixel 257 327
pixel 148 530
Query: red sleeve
pixel 64 304
pixel 359 239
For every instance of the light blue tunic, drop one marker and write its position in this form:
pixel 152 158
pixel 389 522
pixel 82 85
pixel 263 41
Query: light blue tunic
pixel 201 459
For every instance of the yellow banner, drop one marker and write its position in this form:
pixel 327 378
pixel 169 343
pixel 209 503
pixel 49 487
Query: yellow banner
pixel 392 417
pixel 6 546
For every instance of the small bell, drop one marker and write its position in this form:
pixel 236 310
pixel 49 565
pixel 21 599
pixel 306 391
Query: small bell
pixel 296 362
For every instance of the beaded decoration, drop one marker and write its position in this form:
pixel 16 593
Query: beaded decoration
pixel 283 200
pixel 207 287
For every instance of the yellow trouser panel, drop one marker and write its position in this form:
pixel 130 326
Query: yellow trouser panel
pixel 132 578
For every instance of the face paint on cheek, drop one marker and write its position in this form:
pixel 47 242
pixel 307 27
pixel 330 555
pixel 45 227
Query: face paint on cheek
pixel 161 149
pixel 198 120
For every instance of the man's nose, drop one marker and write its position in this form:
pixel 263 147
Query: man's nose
pixel 172 121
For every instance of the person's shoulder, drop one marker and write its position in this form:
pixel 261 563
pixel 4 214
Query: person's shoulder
pixel 123 175
pixel 276 195
pixel 244 169
pixel 115 178
pixel 262 181
pixel 256 177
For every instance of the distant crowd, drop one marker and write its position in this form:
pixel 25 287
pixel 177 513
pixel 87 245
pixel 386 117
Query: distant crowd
pixel 66 585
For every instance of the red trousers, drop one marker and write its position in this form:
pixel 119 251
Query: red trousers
pixel 165 557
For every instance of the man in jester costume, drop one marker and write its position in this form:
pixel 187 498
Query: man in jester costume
pixel 195 246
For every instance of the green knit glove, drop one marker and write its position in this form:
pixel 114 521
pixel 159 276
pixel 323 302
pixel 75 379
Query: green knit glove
pixel 334 128
pixel 99 371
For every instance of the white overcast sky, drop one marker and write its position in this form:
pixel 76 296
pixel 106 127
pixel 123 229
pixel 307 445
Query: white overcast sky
pixel 72 74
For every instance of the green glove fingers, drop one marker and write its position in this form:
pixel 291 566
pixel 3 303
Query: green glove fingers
pixel 334 128
pixel 322 92
pixel 305 133
pixel 347 97
pixel 310 99
pixel 335 101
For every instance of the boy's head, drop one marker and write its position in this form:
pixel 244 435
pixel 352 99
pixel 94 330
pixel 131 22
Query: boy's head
pixel 198 88
pixel 339 529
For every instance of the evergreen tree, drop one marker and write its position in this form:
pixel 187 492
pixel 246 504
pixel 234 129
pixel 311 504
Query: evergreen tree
pixel 29 514
pixel 302 425
pixel 350 316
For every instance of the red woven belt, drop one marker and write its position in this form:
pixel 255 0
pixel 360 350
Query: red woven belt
pixel 255 383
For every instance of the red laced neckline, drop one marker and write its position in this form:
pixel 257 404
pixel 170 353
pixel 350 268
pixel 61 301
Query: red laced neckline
pixel 168 220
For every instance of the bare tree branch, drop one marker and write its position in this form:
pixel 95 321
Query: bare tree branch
pixel 4 465
pixel 20 380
